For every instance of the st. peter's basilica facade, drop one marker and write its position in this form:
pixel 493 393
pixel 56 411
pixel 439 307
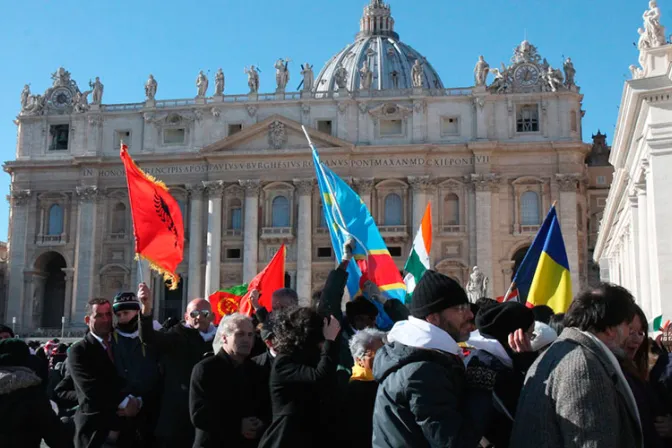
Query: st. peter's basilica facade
pixel 491 158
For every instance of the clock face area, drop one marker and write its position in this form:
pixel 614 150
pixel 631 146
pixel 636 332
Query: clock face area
pixel 61 98
pixel 527 75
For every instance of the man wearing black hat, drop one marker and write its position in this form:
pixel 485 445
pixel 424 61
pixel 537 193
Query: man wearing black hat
pixel 421 399
pixel 137 364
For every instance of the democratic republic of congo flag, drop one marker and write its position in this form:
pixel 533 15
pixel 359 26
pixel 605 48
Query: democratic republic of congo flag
pixel 346 215
pixel 543 277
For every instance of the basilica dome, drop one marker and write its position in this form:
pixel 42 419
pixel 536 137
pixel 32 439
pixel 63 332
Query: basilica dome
pixel 377 45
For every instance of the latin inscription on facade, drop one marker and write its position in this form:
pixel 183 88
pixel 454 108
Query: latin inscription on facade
pixel 202 168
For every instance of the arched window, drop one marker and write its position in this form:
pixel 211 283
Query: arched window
pixel 235 215
pixel 119 218
pixel 55 223
pixel 451 210
pixel 280 212
pixel 323 221
pixel 529 209
pixel 393 210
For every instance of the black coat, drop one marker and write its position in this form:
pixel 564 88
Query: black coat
pixel 179 349
pixel 99 392
pixel 421 400
pixel 358 413
pixel 222 393
pixel 66 396
pixel 26 416
pixel 297 389
pixel 265 361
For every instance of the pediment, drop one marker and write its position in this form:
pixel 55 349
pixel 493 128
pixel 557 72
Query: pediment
pixel 275 133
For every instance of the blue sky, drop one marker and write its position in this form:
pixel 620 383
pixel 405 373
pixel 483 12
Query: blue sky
pixel 122 41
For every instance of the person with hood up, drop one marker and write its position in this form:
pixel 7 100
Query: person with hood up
pixel 26 416
pixel 180 348
pixel 421 399
pixel 496 370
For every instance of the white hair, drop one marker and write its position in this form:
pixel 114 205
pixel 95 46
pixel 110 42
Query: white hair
pixel 363 340
pixel 227 326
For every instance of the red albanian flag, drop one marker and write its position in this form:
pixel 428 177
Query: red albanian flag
pixel 157 221
pixel 266 282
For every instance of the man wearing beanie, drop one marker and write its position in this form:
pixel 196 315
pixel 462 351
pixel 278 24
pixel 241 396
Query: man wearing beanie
pixel 497 367
pixel 138 365
pixel 421 397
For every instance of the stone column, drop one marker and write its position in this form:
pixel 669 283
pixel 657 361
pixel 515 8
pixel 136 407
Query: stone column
pixel 304 252
pixel 420 186
pixel 67 307
pixel 471 222
pixel 364 188
pixel 18 231
pixel 251 232
pixel 567 215
pixel 632 243
pixel 214 191
pixel 484 184
pixel 194 289
pixel 643 247
pixel 85 260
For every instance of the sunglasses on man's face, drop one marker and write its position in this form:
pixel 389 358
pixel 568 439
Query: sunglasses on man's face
pixel 203 313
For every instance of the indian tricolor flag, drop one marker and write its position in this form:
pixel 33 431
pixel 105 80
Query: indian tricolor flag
pixel 418 260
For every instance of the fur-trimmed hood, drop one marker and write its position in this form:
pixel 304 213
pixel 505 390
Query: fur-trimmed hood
pixel 15 378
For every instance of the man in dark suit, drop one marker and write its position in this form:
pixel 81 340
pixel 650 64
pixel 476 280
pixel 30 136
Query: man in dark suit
pixel 228 401
pixel 102 405
pixel 265 360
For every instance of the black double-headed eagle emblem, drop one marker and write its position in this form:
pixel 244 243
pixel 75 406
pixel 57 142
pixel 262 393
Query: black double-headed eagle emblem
pixel 163 211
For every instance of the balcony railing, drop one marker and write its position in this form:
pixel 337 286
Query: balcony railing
pixel 452 228
pixel 51 240
pixel 277 233
pixel 525 230
pixel 118 236
pixel 321 231
pixel 233 233
pixel 394 233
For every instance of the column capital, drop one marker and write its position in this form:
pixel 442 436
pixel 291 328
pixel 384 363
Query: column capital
pixel 568 182
pixel 69 273
pixel 19 197
pixel 251 186
pixel 640 189
pixel 88 193
pixel 195 190
pixel 485 182
pixel 633 199
pixel 420 184
pixel 363 185
pixel 214 188
pixel 304 186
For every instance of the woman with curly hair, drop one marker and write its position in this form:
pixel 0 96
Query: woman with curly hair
pixel 303 371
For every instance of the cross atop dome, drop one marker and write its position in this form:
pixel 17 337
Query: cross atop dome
pixel 377 20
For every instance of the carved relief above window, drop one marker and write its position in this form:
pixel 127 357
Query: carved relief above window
pixel 114 278
pixel 452 207
pixel 391 120
pixel 530 201
pixel 174 127
pixel 53 219
pixel 278 212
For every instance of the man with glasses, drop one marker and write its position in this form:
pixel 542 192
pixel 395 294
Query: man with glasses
pixel 180 348
pixel 421 398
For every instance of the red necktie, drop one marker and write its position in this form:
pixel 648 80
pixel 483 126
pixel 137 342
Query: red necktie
pixel 108 349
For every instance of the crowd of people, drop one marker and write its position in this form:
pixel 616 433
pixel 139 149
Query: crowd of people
pixel 449 373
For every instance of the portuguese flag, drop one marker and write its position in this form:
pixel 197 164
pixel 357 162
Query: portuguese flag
pixel 226 301
pixel 418 260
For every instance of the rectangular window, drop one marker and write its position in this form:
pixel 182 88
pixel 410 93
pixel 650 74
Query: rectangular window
pixel 235 128
pixel 395 251
pixel 236 218
pixel 233 253
pixel 324 126
pixel 59 135
pixel 391 128
pixel 574 125
pixel 601 180
pixel 450 126
pixel 122 136
pixel 527 118
pixel 324 252
pixel 174 136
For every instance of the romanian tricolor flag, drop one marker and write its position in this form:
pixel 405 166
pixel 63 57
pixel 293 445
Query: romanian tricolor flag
pixel 543 277
pixel 347 216
pixel 157 221
pixel 418 260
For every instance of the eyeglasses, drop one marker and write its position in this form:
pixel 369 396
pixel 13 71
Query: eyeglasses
pixel 639 334
pixel 203 313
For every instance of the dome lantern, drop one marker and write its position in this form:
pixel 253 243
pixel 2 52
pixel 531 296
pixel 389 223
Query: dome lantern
pixel 377 20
